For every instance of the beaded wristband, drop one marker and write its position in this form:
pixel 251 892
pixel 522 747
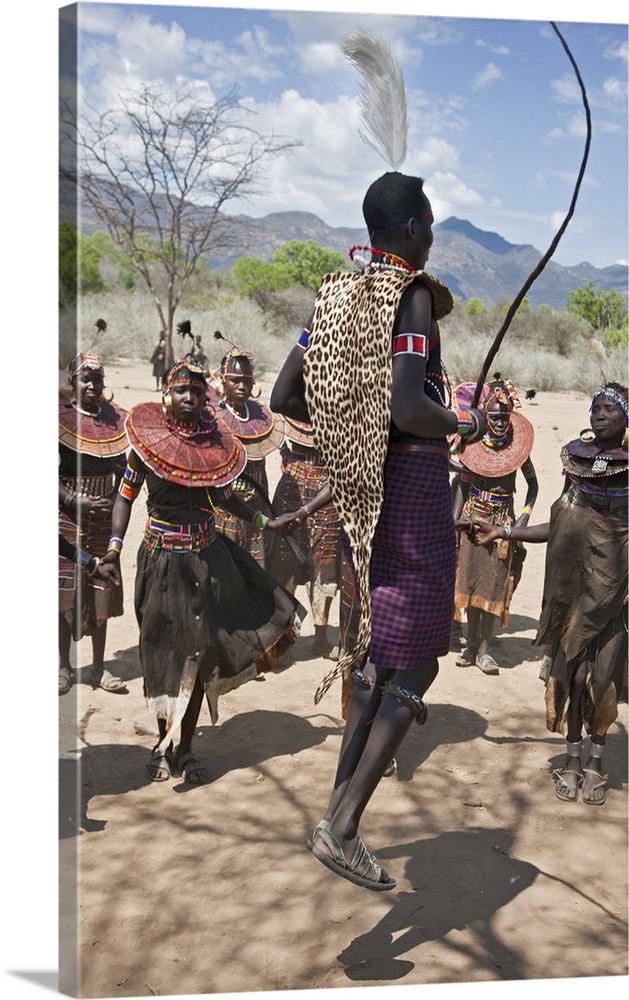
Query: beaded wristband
pixel 468 425
pixel 260 520
pixel 527 510
pixel 115 545
pixel 85 560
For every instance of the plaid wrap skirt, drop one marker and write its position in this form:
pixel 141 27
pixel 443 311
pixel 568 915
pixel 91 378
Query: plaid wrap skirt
pixel 413 563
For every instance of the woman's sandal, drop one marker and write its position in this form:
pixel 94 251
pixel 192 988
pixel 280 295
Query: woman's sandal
pixel 468 657
pixel 487 664
pixel 591 785
pixel 107 681
pixel 159 768
pixel 65 680
pixel 362 870
pixel 190 766
pixel 567 791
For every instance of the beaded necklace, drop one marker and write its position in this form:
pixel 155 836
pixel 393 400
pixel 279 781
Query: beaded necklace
pixel 86 413
pixel 386 261
pixel 235 413
pixel 187 430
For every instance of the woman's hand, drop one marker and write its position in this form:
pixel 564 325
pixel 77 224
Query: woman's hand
pixel 284 524
pixel 97 508
pixel 486 532
pixel 110 564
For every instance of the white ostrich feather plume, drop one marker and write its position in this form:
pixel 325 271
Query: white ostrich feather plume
pixel 383 96
pixel 598 354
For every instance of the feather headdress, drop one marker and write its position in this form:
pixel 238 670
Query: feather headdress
pixel 383 97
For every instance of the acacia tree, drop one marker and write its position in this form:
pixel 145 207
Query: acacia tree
pixel 157 173
pixel 602 310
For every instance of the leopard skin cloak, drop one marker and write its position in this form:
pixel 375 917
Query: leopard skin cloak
pixel 348 368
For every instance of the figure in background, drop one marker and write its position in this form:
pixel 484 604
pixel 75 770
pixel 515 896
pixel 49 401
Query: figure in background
pixel 92 447
pixel 583 619
pixel 261 433
pixel 488 575
pixel 158 360
pixel 317 534
pixel 210 618
pixel 199 354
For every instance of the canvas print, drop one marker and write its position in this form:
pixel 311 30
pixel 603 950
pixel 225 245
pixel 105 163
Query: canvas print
pixel 343 491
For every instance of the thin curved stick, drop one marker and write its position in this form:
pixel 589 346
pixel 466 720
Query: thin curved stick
pixel 535 273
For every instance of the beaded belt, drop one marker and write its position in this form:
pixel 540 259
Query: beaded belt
pixel 244 490
pixel 90 486
pixel 493 498
pixel 178 537
pixel 300 456
pixel 433 449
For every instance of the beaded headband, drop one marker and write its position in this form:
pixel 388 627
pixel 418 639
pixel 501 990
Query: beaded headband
pixel 235 354
pixel 182 373
pixel 85 360
pixel 614 396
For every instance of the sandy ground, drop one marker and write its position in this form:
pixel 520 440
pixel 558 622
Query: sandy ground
pixel 184 890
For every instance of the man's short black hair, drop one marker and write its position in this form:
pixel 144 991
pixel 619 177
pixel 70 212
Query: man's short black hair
pixel 392 200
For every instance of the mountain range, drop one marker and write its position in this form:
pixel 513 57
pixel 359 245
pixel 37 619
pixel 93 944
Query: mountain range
pixel 473 263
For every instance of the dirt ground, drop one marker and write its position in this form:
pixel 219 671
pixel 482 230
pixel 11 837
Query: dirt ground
pixel 185 891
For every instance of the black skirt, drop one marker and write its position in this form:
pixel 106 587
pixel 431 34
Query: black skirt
pixel 216 610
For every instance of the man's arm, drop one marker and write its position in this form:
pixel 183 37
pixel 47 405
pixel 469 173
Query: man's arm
pixel 288 394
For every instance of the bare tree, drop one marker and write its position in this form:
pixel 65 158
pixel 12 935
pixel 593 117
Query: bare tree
pixel 156 173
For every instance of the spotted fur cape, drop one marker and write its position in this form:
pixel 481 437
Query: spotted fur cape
pixel 347 377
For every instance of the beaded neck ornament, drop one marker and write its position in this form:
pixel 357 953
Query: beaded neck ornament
pixel 384 261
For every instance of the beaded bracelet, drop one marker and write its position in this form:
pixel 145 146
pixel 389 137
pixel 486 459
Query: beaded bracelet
pixel 115 545
pixel 468 425
pixel 260 520
pixel 527 510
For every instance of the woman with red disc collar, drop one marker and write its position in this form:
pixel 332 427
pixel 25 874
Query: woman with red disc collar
pixel 260 431
pixel 488 575
pixel 92 447
pixel 210 618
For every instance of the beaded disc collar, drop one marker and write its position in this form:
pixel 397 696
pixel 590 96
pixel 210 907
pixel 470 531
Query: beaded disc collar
pixel 99 434
pixel 262 432
pixel 299 432
pixel 211 457
pixel 588 461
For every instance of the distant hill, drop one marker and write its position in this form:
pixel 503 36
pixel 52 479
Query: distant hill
pixel 472 262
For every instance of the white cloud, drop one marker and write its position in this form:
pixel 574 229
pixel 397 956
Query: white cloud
pixel 498 50
pixel 566 90
pixel 619 51
pixel 450 195
pixel 487 76
pixel 615 89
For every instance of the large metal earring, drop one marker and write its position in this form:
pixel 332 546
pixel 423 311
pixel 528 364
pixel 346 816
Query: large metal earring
pixel 112 394
pixel 256 395
pixel 167 403
pixel 587 435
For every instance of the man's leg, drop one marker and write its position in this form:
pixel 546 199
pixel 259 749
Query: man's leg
pixel 380 734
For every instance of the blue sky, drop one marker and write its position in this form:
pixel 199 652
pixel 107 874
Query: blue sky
pixel 497 124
